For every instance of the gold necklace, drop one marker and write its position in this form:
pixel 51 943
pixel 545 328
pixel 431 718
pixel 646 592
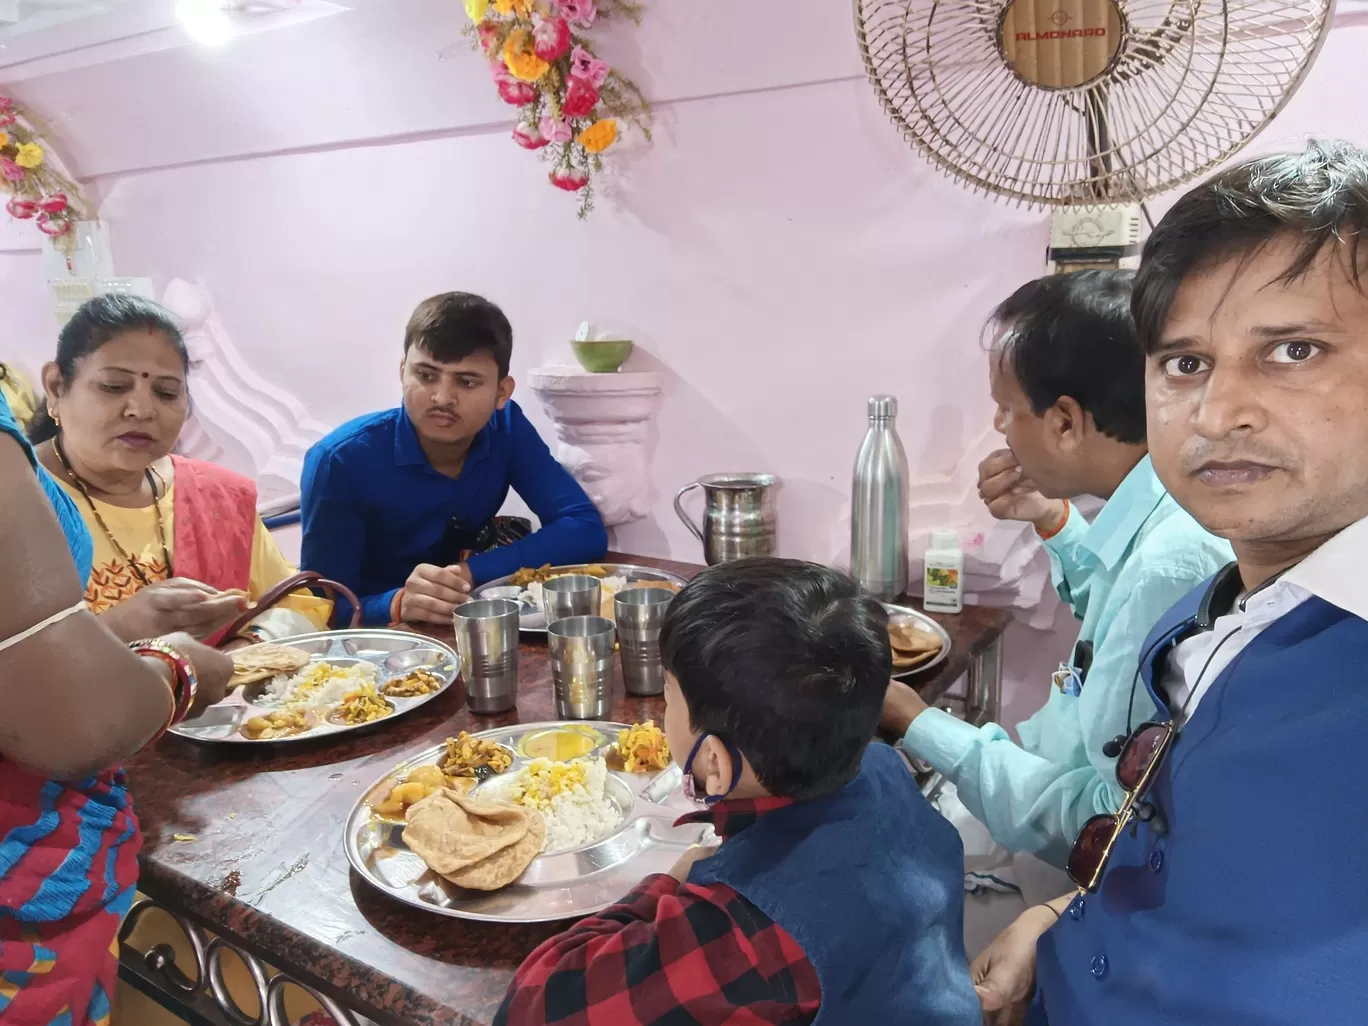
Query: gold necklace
pixel 119 550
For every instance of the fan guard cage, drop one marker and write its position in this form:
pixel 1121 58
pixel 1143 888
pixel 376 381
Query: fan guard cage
pixel 1191 82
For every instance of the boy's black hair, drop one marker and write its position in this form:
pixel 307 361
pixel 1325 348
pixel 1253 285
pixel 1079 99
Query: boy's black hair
pixel 1314 197
pixel 1072 335
pixel 98 321
pixel 789 661
pixel 454 325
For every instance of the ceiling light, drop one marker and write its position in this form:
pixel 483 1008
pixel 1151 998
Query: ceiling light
pixel 205 21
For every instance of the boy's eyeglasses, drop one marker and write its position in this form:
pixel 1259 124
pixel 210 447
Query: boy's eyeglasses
pixel 1136 767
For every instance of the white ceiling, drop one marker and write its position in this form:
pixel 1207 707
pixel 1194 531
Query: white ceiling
pixel 19 16
pixel 39 37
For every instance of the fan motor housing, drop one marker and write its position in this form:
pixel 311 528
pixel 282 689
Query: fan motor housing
pixel 1060 44
pixel 1101 236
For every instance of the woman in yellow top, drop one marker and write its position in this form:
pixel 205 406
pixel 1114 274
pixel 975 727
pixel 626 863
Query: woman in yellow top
pixel 178 543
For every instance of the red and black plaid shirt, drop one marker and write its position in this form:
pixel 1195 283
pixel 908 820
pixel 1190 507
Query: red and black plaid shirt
pixel 671 953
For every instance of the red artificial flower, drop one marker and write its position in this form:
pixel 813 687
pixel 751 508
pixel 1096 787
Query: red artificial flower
pixel 551 38
pixel 488 32
pixel 580 99
pixel 519 94
pixel 54 204
pixel 569 179
pixel 49 225
pixel 529 137
pixel 21 208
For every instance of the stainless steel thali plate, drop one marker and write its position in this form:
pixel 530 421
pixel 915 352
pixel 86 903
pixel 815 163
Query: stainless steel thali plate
pixel 561 885
pixel 392 653
pixel 532 619
pixel 906 614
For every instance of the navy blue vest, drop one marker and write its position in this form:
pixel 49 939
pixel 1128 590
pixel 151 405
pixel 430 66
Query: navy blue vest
pixel 870 883
pixel 1253 908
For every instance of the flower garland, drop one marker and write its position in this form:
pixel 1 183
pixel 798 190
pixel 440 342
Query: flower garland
pixel 38 191
pixel 571 102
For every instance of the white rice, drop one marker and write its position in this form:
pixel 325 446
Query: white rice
pixel 576 817
pixel 300 688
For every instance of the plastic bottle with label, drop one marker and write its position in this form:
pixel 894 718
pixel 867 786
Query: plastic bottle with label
pixel 943 578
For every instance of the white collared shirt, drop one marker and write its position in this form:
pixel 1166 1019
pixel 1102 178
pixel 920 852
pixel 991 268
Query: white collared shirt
pixel 1337 573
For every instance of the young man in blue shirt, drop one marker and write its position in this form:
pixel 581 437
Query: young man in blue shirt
pixel 401 505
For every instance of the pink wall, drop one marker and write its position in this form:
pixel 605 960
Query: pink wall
pixel 779 250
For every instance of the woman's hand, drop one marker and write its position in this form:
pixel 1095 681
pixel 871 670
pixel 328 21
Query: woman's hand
pixel 213 670
pixel 169 607
pixel 1004 973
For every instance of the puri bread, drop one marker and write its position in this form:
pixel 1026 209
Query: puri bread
pixel 474 844
pixel 503 867
pixel 275 658
pixel 910 639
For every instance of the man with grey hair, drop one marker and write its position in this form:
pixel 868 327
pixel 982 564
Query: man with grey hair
pixel 1226 890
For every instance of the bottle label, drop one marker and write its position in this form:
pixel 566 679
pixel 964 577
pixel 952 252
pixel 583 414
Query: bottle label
pixel 942 577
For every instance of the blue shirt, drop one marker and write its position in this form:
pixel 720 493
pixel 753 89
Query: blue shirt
pixel 1120 574
pixel 373 507
pixel 68 516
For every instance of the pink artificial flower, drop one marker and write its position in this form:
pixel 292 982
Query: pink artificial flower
pixel 49 225
pixel 569 179
pixel 551 38
pixel 488 33
pixel 6 103
pixel 529 137
pixel 10 170
pixel 54 204
pixel 581 12
pixel 585 65
pixel 556 130
pixel 519 94
pixel 580 98
pixel 7 119
pixel 21 208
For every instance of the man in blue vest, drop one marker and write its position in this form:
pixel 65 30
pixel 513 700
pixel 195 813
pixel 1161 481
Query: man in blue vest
pixel 1227 891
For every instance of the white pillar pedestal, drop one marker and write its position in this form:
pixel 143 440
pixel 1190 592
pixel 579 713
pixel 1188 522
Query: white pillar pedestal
pixel 602 424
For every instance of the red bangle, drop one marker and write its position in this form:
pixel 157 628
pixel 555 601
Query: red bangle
pixel 395 604
pixel 1047 535
pixel 185 684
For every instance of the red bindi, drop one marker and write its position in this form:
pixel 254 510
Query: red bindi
pixel 146 375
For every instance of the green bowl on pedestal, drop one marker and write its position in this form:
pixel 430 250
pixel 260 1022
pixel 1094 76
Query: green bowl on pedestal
pixel 602 356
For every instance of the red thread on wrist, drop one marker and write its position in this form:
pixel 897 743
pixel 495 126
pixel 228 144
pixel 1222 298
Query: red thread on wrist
pixel 1047 535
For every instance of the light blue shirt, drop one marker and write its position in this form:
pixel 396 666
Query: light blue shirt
pixel 1119 574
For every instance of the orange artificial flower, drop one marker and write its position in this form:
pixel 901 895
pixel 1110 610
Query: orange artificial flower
pixel 598 136
pixel 522 8
pixel 519 58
